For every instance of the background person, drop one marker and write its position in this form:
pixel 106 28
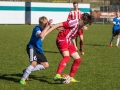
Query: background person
pixel 66 48
pixel 75 13
pixel 116 29
pixel 34 49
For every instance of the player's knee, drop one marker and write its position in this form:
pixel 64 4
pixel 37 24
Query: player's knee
pixel 34 63
pixel 46 65
pixel 118 36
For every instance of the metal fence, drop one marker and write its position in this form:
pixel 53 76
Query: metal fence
pixel 105 14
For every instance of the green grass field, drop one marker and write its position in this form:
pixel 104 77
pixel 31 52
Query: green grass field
pixel 99 70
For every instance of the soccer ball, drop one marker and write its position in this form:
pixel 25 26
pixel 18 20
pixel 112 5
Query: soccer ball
pixel 67 77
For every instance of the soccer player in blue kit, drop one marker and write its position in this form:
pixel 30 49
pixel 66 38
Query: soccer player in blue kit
pixel 116 29
pixel 34 49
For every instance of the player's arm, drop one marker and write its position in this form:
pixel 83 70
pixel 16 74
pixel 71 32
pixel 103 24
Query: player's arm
pixel 69 17
pixel 85 27
pixel 42 34
pixel 114 22
pixel 66 24
pixel 53 28
pixel 74 42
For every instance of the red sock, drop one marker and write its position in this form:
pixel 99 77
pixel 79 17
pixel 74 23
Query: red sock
pixel 75 66
pixel 62 64
pixel 81 45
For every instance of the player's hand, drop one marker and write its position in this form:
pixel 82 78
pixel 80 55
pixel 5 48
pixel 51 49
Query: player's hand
pixel 85 28
pixel 76 48
pixel 50 21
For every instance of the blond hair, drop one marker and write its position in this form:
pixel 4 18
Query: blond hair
pixel 43 21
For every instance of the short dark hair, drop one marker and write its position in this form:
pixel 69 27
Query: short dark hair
pixel 75 2
pixel 87 18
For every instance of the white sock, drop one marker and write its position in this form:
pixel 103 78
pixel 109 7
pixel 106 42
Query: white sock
pixel 38 67
pixel 118 39
pixel 27 72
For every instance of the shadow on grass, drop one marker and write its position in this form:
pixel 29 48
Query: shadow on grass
pixel 96 45
pixel 10 77
pixel 14 78
pixel 50 52
pixel 44 79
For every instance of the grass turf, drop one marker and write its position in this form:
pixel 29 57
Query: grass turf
pixel 99 69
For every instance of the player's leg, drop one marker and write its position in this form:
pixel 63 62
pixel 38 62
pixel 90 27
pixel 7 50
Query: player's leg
pixel 62 65
pixel 118 38
pixel 42 62
pixel 112 38
pixel 77 60
pixel 41 66
pixel 33 60
pixel 63 48
pixel 27 72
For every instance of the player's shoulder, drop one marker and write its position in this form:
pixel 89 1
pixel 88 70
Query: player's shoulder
pixel 37 27
pixel 73 22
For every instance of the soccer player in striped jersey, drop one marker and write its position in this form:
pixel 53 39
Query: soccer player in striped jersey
pixel 116 29
pixel 34 49
pixel 75 13
pixel 66 48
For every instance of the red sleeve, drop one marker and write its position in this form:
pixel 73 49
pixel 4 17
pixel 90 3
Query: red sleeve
pixel 69 16
pixel 65 24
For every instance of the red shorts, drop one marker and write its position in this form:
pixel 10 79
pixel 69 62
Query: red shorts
pixel 64 46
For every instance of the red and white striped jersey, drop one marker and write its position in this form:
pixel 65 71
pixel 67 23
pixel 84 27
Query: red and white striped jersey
pixel 71 28
pixel 74 14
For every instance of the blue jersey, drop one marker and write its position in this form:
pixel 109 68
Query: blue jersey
pixel 35 40
pixel 116 22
